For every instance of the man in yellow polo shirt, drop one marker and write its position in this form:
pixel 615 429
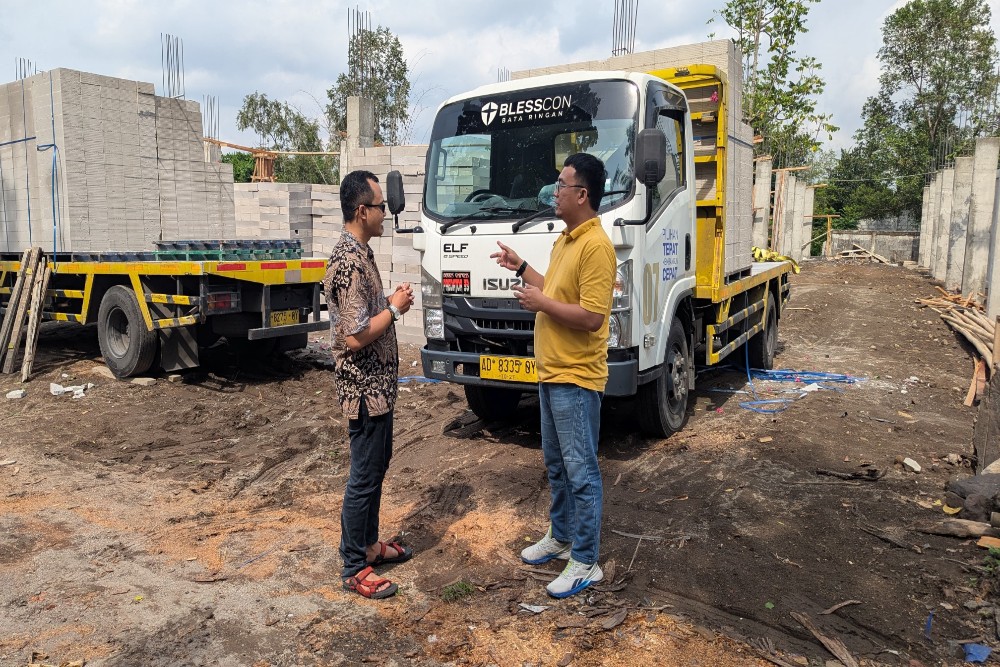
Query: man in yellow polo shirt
pixel 572 302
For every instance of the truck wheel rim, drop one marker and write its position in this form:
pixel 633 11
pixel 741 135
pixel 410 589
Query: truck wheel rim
pixel 118 333
pixel 677 376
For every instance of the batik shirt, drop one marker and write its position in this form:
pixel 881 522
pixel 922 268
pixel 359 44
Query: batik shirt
pixel 354 295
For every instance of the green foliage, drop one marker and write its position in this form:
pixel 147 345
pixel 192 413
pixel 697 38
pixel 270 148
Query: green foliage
pixel 242 166
pixel 283 128
pixel 938 82
pixel 457 591
pixel 386 83
pixel 780 87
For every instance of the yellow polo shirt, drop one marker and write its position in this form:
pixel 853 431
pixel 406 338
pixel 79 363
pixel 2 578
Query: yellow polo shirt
pixel 581 271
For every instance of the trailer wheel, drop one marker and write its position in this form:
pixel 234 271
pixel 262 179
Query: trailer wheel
pixel 128 347
pixel 761 348
pixel 492 403
pixel 662 403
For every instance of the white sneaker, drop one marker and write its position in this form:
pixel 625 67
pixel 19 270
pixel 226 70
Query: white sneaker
pixel 545 550
pixel 574 578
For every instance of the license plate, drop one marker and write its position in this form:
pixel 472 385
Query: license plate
pixel 280 318
pixel 512 369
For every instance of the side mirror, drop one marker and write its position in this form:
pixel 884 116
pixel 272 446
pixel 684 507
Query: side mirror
pixel 394 192
pixel 650 157
pixel 397 201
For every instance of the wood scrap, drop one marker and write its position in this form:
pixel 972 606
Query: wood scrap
pixel 841 605
pixel 957 528
pixel 988 542
pixel 764 647
pixel 20 313
pixel 832 644
pixel 978 385
pixel 41 286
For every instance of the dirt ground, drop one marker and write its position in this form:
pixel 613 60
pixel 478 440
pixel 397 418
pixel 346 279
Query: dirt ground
pixel 197 522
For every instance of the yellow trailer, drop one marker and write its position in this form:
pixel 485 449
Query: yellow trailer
pixel 164 306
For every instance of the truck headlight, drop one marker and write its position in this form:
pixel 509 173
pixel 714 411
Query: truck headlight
pixel 433 323
pixel 619 330
pixel 614 332
pixel 621 295
pixel 430 290
pixel 431 300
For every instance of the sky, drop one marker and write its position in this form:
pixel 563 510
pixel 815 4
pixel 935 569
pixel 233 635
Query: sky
pixel 293 50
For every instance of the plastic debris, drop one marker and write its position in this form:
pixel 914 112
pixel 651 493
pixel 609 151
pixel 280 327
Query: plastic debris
pixel 533 608
pixel 976 652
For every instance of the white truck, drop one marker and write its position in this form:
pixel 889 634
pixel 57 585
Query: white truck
pixel 677 208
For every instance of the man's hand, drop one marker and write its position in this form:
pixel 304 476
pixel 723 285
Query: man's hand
pixel 531 298
pixel 402 298
pixel 507 258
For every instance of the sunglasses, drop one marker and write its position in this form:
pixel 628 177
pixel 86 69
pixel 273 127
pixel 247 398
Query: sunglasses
pixel 380 207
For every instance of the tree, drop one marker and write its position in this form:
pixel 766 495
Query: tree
pixel 377 70
pixel 282 128
pixel 780 88
pixel 242 166
pixel 937 93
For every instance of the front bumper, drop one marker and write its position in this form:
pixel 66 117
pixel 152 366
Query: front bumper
pixel 623 376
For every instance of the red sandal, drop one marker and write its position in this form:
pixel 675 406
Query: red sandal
pixel 370 588
pixel 402 554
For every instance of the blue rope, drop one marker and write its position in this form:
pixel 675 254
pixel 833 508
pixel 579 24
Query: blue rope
pixel 417 378
pixel 17 141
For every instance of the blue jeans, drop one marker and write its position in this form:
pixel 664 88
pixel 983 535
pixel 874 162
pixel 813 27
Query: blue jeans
pixel 371 449
pixel 571 424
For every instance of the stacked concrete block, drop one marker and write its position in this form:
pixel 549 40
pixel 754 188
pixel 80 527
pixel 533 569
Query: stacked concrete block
pixel 761 202
pixel 739 182
pixel 131 166
pixel 327 219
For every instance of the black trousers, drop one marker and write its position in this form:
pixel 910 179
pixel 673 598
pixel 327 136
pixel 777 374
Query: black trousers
pixel 371 449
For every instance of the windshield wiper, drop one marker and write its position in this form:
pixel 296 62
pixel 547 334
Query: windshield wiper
pixel 445 226
pixel 523 221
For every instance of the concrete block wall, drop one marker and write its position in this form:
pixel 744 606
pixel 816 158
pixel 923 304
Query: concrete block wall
pixel 131 166
pixel 312 213
pixel 959 237
pixel 894 246
pixel 761 202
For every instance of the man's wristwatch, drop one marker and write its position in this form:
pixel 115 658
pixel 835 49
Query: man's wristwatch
pixel 394 312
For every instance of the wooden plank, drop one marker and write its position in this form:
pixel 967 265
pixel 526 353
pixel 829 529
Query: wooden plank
pixel 15 296
pixel 35 319
pixel 17 330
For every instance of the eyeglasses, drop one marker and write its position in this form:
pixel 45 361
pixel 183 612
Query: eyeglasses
pixel 380 207
pixel 560 185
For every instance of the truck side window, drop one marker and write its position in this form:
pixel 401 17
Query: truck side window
pixel 665 110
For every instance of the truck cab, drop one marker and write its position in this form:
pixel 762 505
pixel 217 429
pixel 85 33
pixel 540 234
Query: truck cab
pixel 492 162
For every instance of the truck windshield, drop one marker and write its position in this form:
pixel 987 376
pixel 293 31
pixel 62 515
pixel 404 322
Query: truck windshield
pixel 500 155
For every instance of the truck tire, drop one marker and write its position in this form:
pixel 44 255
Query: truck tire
pixel 662 403
pixel 761 348
pixel 492 403
pixel 128 347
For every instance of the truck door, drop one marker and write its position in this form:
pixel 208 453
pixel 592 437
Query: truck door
pixel 668 251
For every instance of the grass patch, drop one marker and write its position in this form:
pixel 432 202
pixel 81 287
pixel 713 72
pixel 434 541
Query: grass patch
pixel 457 591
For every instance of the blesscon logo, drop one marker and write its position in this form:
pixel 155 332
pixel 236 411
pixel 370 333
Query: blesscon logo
pixel 489 112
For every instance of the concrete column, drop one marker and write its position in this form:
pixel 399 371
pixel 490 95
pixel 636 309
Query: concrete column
pixel 761 202
pixel 788 215
pixel 360 130
pixel 960 199
pixel 924 227
pixel 796 222
pixel 993 273
pixel 934 210
pixel 807 220
pixel 943 225
pixel 977 248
